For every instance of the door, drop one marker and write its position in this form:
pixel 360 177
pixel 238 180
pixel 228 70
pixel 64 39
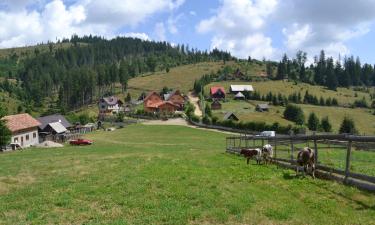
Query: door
pixel 22 141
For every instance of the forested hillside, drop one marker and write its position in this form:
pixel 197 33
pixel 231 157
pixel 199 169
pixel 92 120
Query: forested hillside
pixel 90 68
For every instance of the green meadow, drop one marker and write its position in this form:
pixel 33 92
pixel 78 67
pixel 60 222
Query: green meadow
pixel 166 175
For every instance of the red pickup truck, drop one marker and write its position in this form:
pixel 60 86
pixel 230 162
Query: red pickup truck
pixel 81 142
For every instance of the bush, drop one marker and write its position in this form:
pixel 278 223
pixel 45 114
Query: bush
pixel 348 126
pixel 194 118
pixel 326 125
pixel 207 120
pixel 295 114
pixel 313 122
pixel 360 103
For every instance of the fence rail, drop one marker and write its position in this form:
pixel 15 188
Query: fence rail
pixel 334 154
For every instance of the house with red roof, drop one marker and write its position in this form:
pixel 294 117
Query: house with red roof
pixel 217 92
pixel 154 103
pixel 24 129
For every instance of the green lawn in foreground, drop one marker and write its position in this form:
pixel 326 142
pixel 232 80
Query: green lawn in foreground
pixel 166 175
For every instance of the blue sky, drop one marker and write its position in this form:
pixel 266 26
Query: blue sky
pixel 256 28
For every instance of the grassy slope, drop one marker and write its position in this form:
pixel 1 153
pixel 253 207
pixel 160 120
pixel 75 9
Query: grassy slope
pixel 165 175
pixel 365 121
pixel 343 95
pixel 181 77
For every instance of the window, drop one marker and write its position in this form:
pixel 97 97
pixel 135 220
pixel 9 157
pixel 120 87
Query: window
pixel 27 137
pixel 34 135
pixel 15 140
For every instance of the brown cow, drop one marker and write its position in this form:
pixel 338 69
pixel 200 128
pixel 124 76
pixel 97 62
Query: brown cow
pixel 306 158
pixel 250 153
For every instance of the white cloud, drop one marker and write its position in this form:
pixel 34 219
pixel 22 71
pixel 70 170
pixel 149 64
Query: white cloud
pixel 142 36
pixel 24 22
pixel 321 24
pixel 159 31
pixel 192 13
pixel 238 27
pixel 172 23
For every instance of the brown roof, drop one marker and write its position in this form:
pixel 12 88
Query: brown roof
pixel 112 100
pixel 20 122
pixel 150 94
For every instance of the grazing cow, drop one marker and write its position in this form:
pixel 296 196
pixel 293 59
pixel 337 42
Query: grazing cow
pixel 267 153
pixel 306 158
pixel 250 153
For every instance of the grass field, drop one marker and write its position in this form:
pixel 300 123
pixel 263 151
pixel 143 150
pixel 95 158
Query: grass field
pixel 364 120
pixel 343 95
pixel 166 175
pixel 181 77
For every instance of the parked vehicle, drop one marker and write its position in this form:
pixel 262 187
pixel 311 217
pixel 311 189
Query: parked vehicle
pixel 81 142
pixel 267 134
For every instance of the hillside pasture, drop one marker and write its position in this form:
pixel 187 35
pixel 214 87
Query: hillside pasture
pixel 166 175
pixel 344 96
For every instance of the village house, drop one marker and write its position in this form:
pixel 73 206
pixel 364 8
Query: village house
pixel 262 108
pixel 110 105
pixel 154 103
pixel 239 96
pixel 176 98
pixel 230 116
pixel 234 89
pixel 215 105
pixel 24 130
pixel 217 92
pixel 54 124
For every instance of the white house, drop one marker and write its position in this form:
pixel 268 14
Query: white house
pixel 241 88
pixel 110 105
pixel 24 129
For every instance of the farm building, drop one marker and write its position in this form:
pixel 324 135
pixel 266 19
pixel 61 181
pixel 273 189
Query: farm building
pixel 55 128
pixel 238 74
pixel 154 103
pixel 215 105
pixel 239 96
pixel 241 88
pixel 110 105
pixel 56 118
pixel 230 116
pixel 176 98
pixel 262 108
pixel 217 92
pixel 24 129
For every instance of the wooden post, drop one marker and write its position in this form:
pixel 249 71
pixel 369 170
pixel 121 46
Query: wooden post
pixel 348 157
pixel 292 150
pixel 253 142
pixel 262 142
pixel 275 147
pixel 315 150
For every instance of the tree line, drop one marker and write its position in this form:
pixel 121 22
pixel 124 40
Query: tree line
pixel 326 71
pixel 92 65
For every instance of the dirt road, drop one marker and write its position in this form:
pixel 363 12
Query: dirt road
pixel 195 101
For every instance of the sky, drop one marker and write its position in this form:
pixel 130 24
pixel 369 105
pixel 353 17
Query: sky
pixel 256 28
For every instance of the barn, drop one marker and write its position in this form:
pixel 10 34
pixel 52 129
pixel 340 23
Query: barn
pixel 217 92
pixel 215 105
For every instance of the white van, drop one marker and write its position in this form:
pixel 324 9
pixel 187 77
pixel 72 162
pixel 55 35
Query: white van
pixel 268 134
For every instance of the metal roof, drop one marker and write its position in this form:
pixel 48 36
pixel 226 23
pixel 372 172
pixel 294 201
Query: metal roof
pixel 58 127
pixel 239 95
pixel 247 87
pixel 45 120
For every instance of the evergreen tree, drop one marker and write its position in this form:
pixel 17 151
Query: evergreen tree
pixel 5 134
pixel 295 114
pixel 313 122
pixel 348 126
pixel 207 110
pixel 325 124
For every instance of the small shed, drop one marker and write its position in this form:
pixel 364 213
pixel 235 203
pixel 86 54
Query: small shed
pixel 215 105
pixel 230 116
pixel 262 108
pixel 239 96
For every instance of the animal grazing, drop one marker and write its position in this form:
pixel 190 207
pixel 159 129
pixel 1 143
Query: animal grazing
pixel 250 153
pixel 267 153
pixel 306 158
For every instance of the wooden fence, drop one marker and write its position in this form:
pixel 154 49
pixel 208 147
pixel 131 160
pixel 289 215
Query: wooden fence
pixel 361 180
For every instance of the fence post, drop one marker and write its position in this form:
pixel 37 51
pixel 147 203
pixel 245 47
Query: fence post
pixel 253 142
pixel 292 150
pixel 262 141
pixel 348 157
pixel 315 150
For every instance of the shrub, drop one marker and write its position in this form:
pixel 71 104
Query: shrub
pixel 295 114
pixel 313 122
pixel 326 125
pixel 348 126
pixel 206 120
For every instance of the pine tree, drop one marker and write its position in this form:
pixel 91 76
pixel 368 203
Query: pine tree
pixel 348 126
pixel 5 134
pixel 313 122
pixel 325 124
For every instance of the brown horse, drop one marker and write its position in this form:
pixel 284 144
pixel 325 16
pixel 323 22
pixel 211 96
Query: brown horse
pixel 306 158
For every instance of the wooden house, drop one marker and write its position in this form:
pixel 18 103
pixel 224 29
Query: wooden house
pixel 215 105
pixel 154 103
pixel 176 98
pixel 110 105
pixel 217 92
pixel 24 129
pixel 262 108
pixel 230 116
pixel 239 96
pixel 56 118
